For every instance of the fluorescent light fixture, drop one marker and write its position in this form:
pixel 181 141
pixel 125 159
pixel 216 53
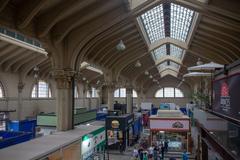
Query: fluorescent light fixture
pixel 94 69
pixel 120 46
pixel 138 64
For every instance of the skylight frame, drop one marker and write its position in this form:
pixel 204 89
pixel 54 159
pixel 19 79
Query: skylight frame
pixel 171 64
pixel 159 52
pixel 180 22
pixel 153 22
pixel 176 51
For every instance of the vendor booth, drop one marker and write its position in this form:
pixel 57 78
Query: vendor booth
pixel 171 126
pixel 119 131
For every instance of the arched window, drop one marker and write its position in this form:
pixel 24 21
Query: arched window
pixel 41 90
pixel 178 93
pixel 169 92
pixel 134 94
pixel 2 95
pixel 121 92
pixel 159 93
pixel 94 93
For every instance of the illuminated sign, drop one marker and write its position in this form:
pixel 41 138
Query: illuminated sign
pixel 225 98
pixel 115 124
pixel 89 142
pixel 169 124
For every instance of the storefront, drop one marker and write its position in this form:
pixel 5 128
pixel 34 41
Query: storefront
pixel 171 126
pixel 119 131
pixel 93 145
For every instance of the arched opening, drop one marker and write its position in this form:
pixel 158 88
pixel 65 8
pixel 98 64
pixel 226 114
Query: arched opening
pixel 41 90
pixel 169 92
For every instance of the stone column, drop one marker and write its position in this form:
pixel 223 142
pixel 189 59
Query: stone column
pixel 64 99
pixel 129 99
pixel 19 109
pixel 110 92
pixel 139 98
pixel 100 96
pixel 90 98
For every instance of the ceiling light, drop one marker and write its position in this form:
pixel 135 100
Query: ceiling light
pixel 121 46
pixel 150 76
pixel 199 62
pixel 98 82
pixel 146 73
pixel 138 64
pixel 36 69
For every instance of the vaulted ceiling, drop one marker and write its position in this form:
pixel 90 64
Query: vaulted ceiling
pixel 166 36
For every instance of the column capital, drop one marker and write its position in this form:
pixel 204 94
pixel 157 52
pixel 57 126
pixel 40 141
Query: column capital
pixel 63 77
pixel 20 86
pixel 110 85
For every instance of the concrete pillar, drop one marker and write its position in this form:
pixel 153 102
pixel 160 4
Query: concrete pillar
pixel 100 95
pixel 110 92
pixel 129 98
pixel 19 109
pixel 85 95
pixel 90 98
pixel 64 99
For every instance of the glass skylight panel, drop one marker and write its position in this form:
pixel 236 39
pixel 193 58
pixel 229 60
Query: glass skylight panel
pixel 153 21
pixel 162 65
pixel 181 19
pixel 176 51
pixel 174 65
pixel 159 52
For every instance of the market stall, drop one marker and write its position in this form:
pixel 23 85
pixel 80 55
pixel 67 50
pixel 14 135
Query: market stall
pixel 171 126
pixel 119 131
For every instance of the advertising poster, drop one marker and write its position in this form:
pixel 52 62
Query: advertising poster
pixel 226 96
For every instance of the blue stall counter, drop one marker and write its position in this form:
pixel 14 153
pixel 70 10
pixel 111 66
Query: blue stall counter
pixel 9 138
pixel 23 126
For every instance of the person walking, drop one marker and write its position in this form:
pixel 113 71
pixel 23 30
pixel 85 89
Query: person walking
pixel 150 151
pixel 145 155
pixel 140 153
pixel 135 153
pixel 162 152
pixel 155 153
pixel 166 146
pixel 185 156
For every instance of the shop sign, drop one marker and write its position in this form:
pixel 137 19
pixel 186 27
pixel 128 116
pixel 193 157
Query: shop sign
pixel 169 124
pixel 115 124
pixel 89 142
pixel 177 125
pixel 146 132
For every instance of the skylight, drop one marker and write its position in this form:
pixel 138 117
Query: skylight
pixel 159 52
pixel 162 51
pixel 153 21
pixel 181 19
pixel 176 51
pixel 168 64
pixel 167 20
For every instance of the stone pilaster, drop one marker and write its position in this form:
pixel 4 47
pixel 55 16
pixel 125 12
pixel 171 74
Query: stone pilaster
pixel 110 91
pixel 64 100
pixel 129 99
pixel 19 109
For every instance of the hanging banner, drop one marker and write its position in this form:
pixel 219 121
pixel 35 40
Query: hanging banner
pixel 226 98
